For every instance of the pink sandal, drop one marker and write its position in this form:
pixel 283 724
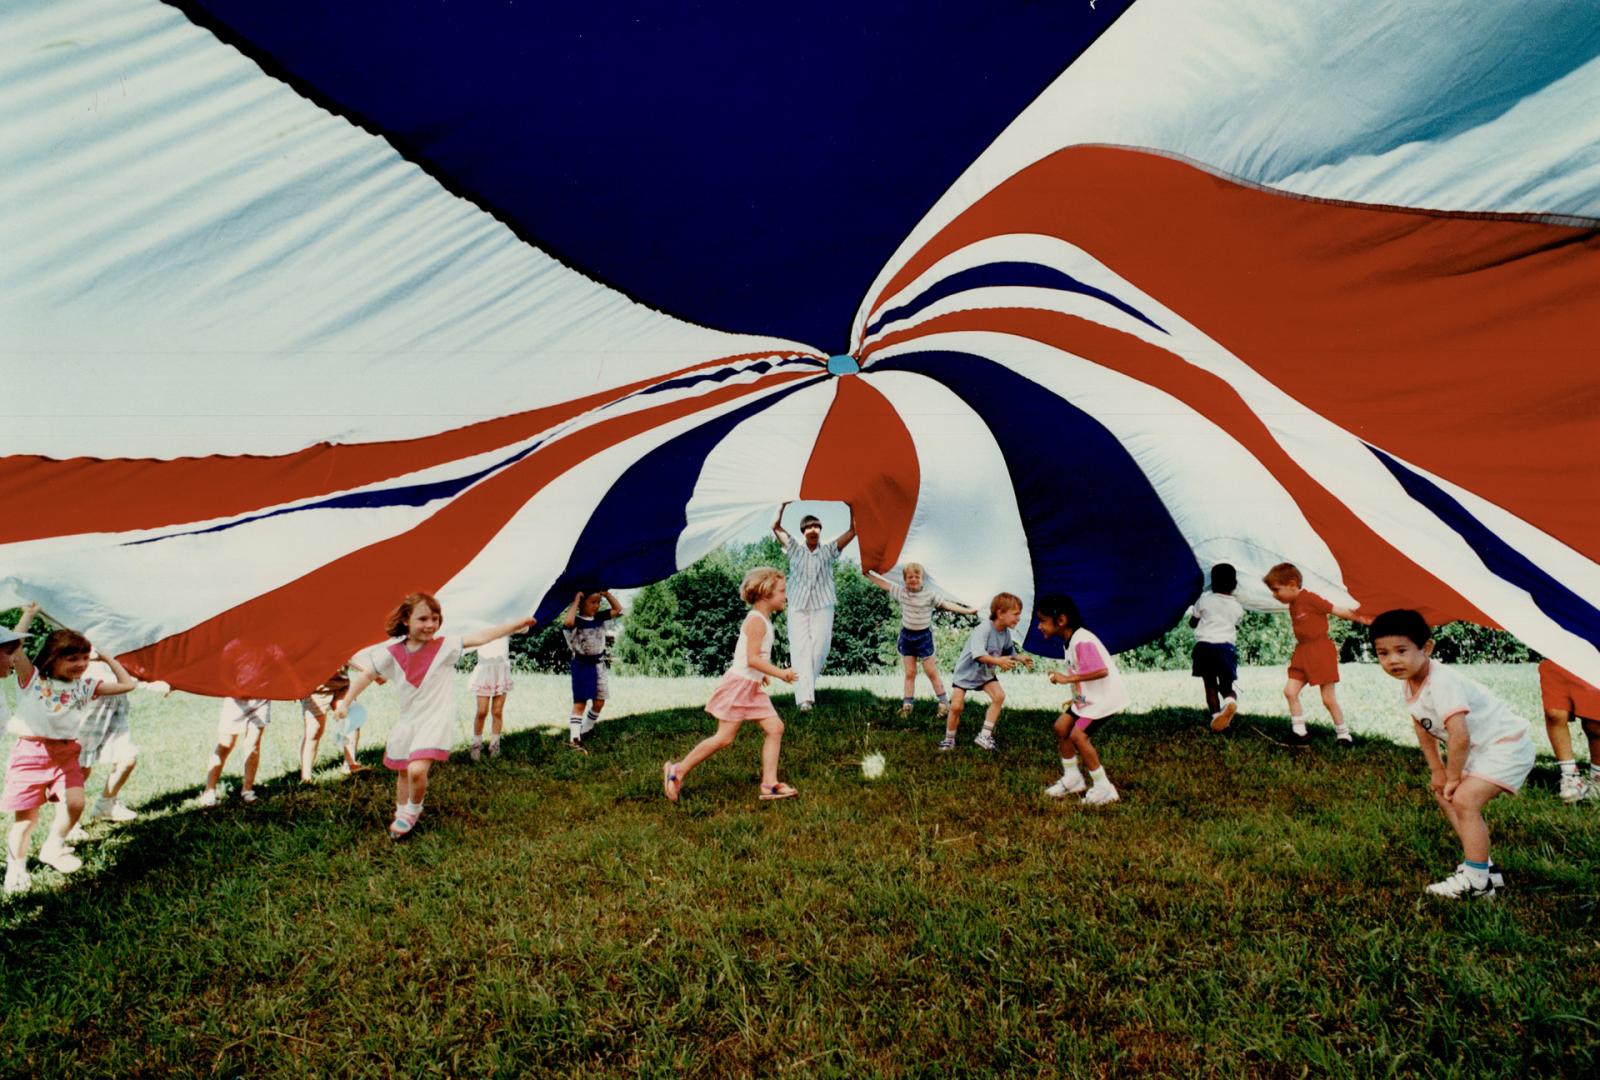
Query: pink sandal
pixel 669 781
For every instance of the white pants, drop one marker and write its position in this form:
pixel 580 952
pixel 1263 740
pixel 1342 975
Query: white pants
pixel 810 638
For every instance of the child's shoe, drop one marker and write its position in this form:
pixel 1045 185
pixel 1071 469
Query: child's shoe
pixel 942 711
pixel 17 877
pixel 405 819
pixel 117 811
pixel 985 741
pixel 1342 737
pixel 494 748
pixel 576 743
pixel 77 834
pixel 1573 789
pixel 905 708
pixel 1069 784
pixel 476 752
pixel 1221 720
pixel 248 795
pixel 207 799
pixel 1460 886
pixel 1101 795
pixel 59 857
pixel 947 744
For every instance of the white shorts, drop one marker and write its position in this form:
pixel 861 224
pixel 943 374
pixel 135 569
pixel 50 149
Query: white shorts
pixel 239 713
pixel 1506 763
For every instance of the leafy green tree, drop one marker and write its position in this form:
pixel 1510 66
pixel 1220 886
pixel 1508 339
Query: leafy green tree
pixel 865 624
pixel 649 643
pixel 710 612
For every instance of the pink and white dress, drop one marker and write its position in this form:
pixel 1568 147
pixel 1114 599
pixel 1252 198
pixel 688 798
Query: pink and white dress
pixel 492 676
pixel 742 693
pixel 425 680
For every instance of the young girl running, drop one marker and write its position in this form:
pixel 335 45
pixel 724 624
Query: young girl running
pixel 238 717
pixel 106 734
pixel 1215 618
pixel 915 643
pixel 53 694
pixel 315 708
pixel 421 666
pixel 587 632
pixel 490 683
pixel 1098 694
pixel 742 693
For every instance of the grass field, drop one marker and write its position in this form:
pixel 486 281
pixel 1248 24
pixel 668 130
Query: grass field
pixel 1248 908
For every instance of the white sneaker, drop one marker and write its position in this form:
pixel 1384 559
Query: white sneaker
pixel 1496 878
pixel 1070 784
pixel 476 753
pixel 119 812
pixel 1459 886
pixel 947 743
pixel 942 711
pixel 1101 795
pixel 1591 790
pixel 1343 737
pixel 248 794
pixel 905 708
pixel 207 799
pixel 1573 789
pixel 1221 720
pixel 984 741
pixel 59 857
pixel 494 749
pixel 805 706
pixel 77 834
pixel 17 877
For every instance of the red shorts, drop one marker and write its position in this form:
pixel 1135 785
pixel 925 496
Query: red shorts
pixel 1565 692
pixel 1315 662
pixel 40 770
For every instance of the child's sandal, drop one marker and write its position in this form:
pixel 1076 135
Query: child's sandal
pixel 669 781
pixel 777 791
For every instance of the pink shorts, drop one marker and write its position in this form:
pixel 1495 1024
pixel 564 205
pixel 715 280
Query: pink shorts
pixel 40 770
pixel 737 698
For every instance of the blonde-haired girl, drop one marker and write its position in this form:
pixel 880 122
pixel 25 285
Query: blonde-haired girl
pixel 742 693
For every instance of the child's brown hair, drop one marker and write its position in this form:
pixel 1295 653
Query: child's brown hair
pixel 759 583
pixel 1004 602
pixel 399 621
pixel 1285 573
pixel 60 645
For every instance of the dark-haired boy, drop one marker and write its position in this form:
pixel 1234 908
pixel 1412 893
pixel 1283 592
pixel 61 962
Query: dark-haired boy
pixel 1487 748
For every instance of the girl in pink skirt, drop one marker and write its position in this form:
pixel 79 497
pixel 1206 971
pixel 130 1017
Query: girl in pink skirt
pixel 742 693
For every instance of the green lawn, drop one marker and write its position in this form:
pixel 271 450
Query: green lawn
pixel 1248 908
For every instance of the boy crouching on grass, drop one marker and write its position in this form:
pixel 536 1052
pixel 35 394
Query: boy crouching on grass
pixel 1487 748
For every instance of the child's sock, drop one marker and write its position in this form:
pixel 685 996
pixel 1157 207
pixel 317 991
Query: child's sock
pixel 944 698
pixel 1099 776
pixel 1341 729
pixel 413 808
pixel 1568 768
pixel 988 727
pixel 575 726
pixel 477 741
pixel 1069 765
pixel 1594 771
pixel 1299 724
pixel 908 701
pixel 590 719
pixel 1477 873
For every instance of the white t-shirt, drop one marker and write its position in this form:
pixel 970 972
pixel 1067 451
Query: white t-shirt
pixel 916 608
pixel 1098 697
pixel 427 691
pixel 1219 616
pixel 498 649
pixel 51 708
pixel 1448 692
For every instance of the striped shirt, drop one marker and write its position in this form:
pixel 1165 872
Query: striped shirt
pixel 811 575
pixel 916 608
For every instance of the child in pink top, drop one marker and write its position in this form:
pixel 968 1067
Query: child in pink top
pixel 742 693
pixel 422 667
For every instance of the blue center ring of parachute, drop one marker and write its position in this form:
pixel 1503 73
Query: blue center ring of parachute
pixel 843 364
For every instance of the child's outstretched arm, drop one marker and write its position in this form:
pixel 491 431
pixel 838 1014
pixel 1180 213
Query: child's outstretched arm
pixel 959 609
pixel 1352 615
pixel 359 681
pixel 880 581
pixel 24 666
pixel 752 651
pixel 124 683
pixel 483 637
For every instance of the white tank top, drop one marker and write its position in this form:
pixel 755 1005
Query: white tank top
pixel 739 666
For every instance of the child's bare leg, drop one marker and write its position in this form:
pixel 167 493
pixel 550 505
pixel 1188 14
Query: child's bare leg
pixel 1291 693
pixel 316 723
pixel 930 667
pixel 721 739
pixel 117 777
pixel 1467 819
pixel 1556 723
pixel 958 701
pixel 219 758
pixel 910 664
pixel 67 816
pixel 1213 697
pixel 352 743
pixel 417 773
pixel 21 829
pixel 498 704
pixel 1086 751
pixel 772 728
pixel 402 787
pixel 997 699
pixel 479 718
pixel 252 754
pixel 1330 701
pixel 1063 730
pixel 1591 731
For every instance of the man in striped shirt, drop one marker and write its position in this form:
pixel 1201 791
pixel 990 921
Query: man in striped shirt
pixel 811 598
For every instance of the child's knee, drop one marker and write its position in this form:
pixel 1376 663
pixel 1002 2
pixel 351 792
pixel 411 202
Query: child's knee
pixel 1063 725
pixel 1080 737
pixel 997 695
pixel 1591 728
pixel 775 728
pixel 599 703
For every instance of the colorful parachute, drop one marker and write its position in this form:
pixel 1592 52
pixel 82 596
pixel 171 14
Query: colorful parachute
pixel 306 305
